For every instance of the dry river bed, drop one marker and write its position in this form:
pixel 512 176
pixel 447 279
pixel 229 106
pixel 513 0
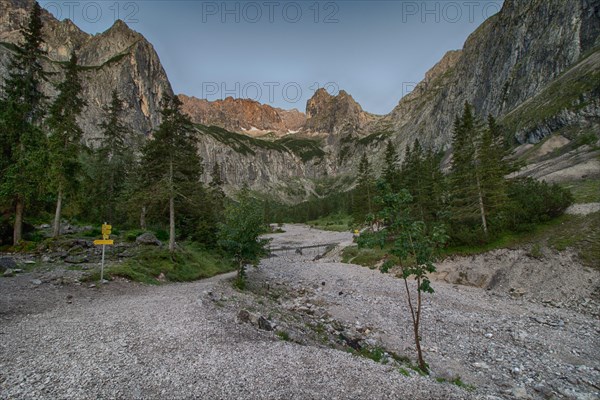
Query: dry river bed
pixel 285 337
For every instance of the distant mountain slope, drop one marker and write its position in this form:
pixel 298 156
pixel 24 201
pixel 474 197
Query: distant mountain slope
pixel 243 115
pixel 510 58
pixel 117 59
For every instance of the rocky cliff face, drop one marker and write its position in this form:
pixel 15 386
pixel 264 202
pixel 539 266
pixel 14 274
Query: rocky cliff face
pixel 117 59
pixel 535 65
pixel 243 115
pixel 509 59
pixel 335 114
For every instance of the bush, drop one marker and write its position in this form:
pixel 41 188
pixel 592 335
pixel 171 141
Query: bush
pixel 533 202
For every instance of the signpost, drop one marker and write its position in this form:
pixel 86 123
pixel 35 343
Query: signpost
pixel 106 229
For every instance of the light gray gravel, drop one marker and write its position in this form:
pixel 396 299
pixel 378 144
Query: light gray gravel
pixel 183 341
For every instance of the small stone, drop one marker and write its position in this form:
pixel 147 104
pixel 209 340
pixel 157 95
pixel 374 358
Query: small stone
pixel 481 365
pixel 91 286
pixel 264 324
pixel 8 273
pixel 520 393
pixel 516 371
pixel 36 282
pixel 29 262
pixel 243 316
pixel 148 238
pixel 489 335
pixel 7 263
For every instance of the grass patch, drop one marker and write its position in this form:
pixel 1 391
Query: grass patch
pixel 565 92
pixel 584 191
pixel 367 257
pixel 306 149
pixel 335 223
pixel 458 382
pixel 240 143
pixel 578 232
pixel 283 335
pixel 190 262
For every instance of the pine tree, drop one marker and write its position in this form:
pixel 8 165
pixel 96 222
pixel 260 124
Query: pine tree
pixel 390 168
pixel 365 189
pixel 23 141
pixel 64 142
pixel 114 159
pixel 171 164
pixel 479 167
pixel 467 199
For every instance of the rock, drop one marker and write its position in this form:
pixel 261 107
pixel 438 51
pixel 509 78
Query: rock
pixel 243 317
pixel 7 263
pixel 77 259
pixel 264 324
pixel 519 292
pixel 520 392
pixel 489 335
pixel 481 365
pixel 46 259
pixel 36 282
pixel 8 273
pixel 92 285
pixel 28 262
pixel 148 238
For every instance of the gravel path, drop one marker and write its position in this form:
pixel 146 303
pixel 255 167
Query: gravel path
pixel 184 340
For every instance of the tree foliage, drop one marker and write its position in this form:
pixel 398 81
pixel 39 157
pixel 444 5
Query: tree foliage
pixel 415 246
pixel 23 141
pixel 65 139
pixel 240 234
pixel 171 166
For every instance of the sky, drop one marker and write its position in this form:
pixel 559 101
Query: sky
pixel 281 52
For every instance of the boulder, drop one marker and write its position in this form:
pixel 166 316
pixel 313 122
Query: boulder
pixel 148 238
pixel 7 263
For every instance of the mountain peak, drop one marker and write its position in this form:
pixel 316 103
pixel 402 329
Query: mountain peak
pixel 328 113
pixel 246 116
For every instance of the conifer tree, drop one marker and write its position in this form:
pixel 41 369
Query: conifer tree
pixel 390 168
pixel 64 142
pixel 114 159
pixel 365 189
pixel 21 137
pixel 170 162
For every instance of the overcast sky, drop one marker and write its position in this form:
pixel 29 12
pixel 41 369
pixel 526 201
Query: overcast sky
pixel 280 52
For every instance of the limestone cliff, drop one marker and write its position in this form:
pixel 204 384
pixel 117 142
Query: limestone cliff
pixel 117 59
pixel 243 116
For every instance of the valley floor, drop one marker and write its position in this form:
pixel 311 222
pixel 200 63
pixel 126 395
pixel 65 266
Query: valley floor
pixel 207 340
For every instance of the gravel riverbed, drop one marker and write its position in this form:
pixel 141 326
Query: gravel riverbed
pixel 125 340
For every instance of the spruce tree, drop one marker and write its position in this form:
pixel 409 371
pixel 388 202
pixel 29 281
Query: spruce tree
pixel 365 189
pixel 23 141
pixel 114 159
pixel 390 167
pixel 64 142
pixel 170 162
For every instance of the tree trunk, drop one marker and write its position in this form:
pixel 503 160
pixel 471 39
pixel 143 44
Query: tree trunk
pixel 171 210
pixel 481 207
pixel 18 227
pixel 56 229
pixel 171 223
pixel 143 218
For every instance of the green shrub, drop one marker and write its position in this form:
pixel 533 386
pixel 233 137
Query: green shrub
pixel 533 202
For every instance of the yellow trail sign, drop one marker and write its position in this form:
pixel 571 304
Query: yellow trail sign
pixel 101 242
pixel 106 229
